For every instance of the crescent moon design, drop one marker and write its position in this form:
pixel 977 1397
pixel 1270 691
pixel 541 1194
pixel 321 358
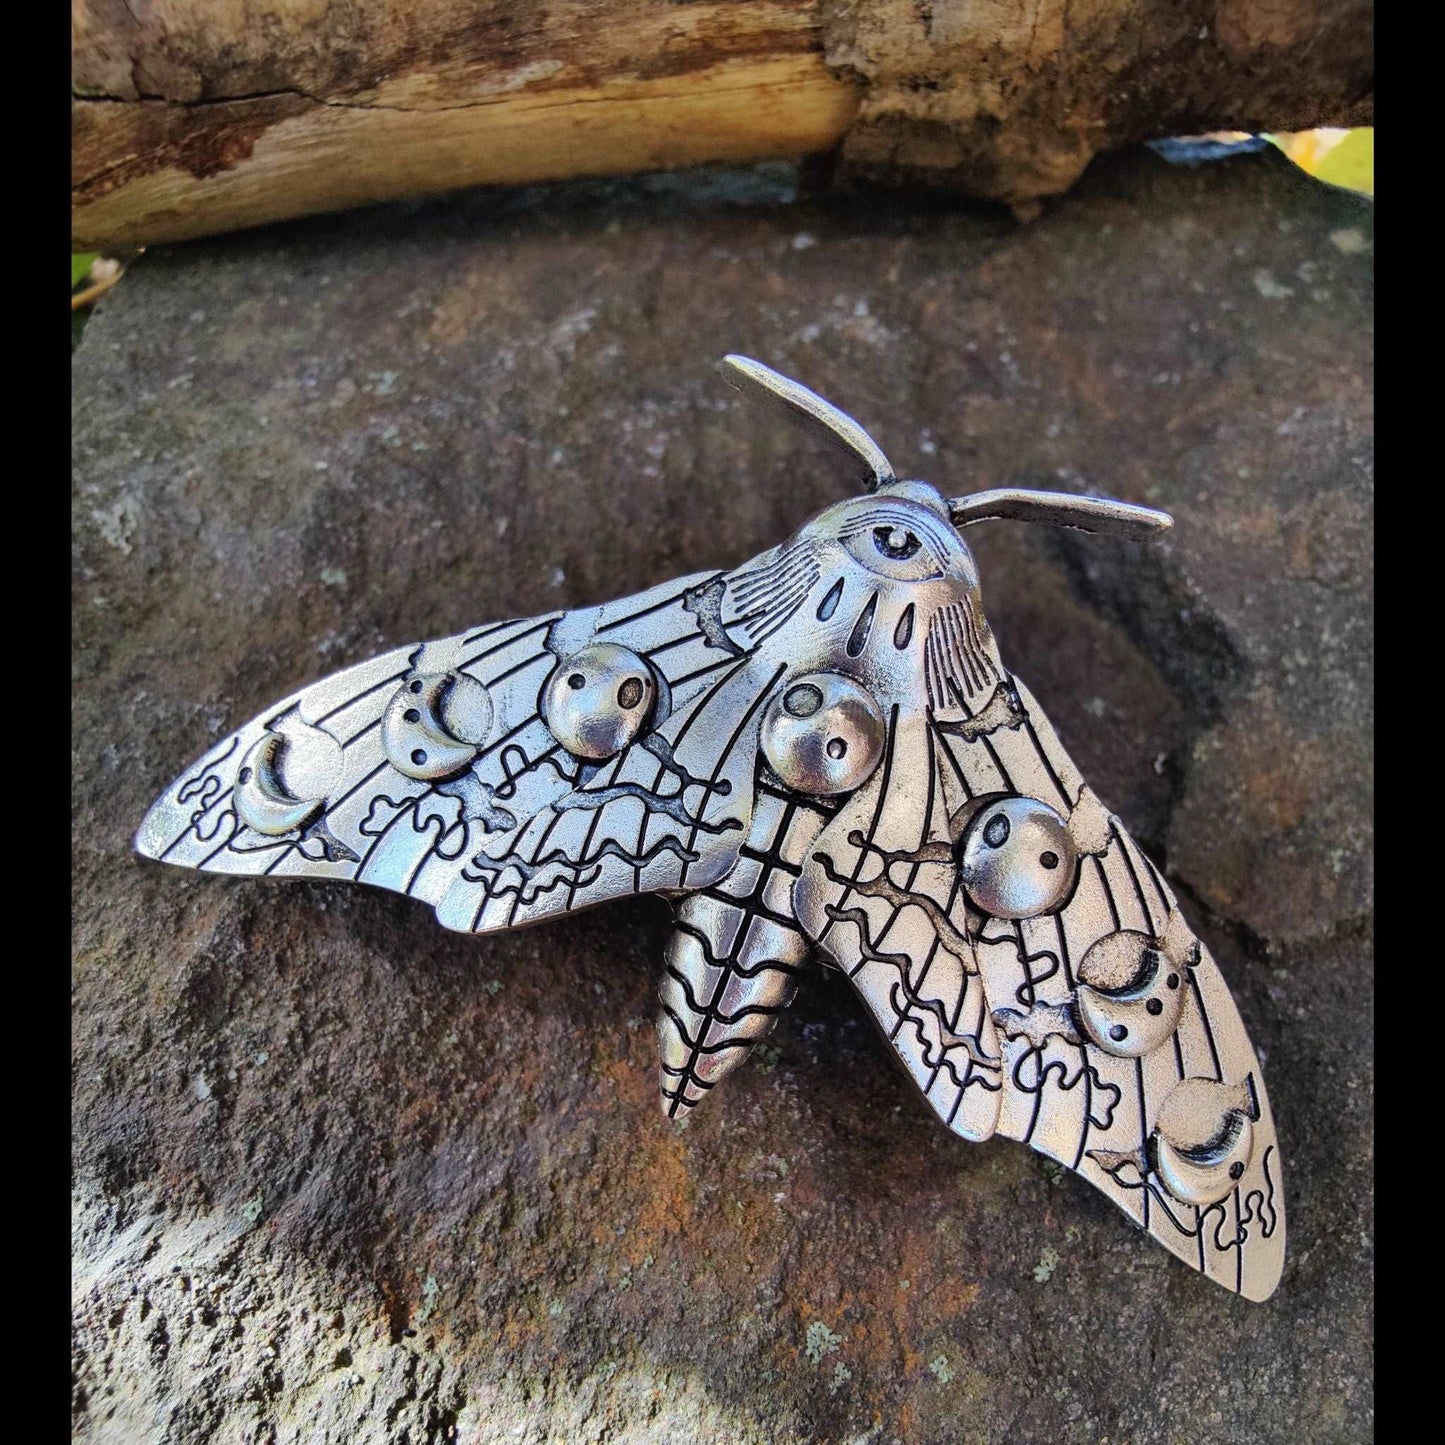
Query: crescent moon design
pixel 1203 1140
pixel 435 724
pixel 262 799
pixel 1130 994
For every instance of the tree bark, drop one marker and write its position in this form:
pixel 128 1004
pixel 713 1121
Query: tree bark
pixel 191 117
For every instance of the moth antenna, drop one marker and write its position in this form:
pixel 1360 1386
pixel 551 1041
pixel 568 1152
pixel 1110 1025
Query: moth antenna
pixel 1101 515
pixel 809 410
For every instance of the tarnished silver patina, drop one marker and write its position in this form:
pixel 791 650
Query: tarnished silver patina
pixel 819 750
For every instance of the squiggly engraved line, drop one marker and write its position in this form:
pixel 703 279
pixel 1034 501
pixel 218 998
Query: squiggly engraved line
pixel 218 819
pixel 982 1076
pixel 662 750
pixel 902 963
pixel 1259 1207
pixel 673 807
pixel 513 774
pixel 206 785
pixel 581 871
pixel 1027 992
pixel 372 826
pixel 883 887
pixel 184 793
pixel 1269 1225
pixel 728 963
pixel 1066 1081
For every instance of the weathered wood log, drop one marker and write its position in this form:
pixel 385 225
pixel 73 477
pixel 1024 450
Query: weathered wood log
pixel 191 117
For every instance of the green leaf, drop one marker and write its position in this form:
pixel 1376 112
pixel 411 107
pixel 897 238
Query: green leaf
pixel 1351 163
pixel 1344 158
pixel 80 264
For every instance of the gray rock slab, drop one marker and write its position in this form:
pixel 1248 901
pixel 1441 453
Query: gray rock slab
pixel 341 1176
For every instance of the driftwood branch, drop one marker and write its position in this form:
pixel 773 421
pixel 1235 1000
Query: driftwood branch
pixel 191 117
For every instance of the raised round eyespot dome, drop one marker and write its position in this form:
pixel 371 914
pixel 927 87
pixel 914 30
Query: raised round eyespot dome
pixel 1016 859
pixel 598 700
pixel 823 734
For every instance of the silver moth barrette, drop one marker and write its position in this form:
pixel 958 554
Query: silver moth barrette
pixel 821 747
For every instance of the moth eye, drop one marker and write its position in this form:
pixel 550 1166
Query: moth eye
pixel 893 549
pixel 898 544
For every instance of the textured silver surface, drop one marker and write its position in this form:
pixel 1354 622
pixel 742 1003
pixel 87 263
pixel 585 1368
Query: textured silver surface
pixel 598 700
pixel 1051 1021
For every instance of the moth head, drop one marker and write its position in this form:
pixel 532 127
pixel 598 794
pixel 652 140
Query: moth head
pixel 882 588
pixel 861 590
pixel 898 539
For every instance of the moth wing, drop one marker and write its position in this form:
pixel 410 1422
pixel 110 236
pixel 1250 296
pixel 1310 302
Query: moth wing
pixel 1176 1129
pixel 879 893
pixel 525 830
pixel 1179 1134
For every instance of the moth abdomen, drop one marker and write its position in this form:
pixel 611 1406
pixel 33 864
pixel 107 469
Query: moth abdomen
pixel 733 960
